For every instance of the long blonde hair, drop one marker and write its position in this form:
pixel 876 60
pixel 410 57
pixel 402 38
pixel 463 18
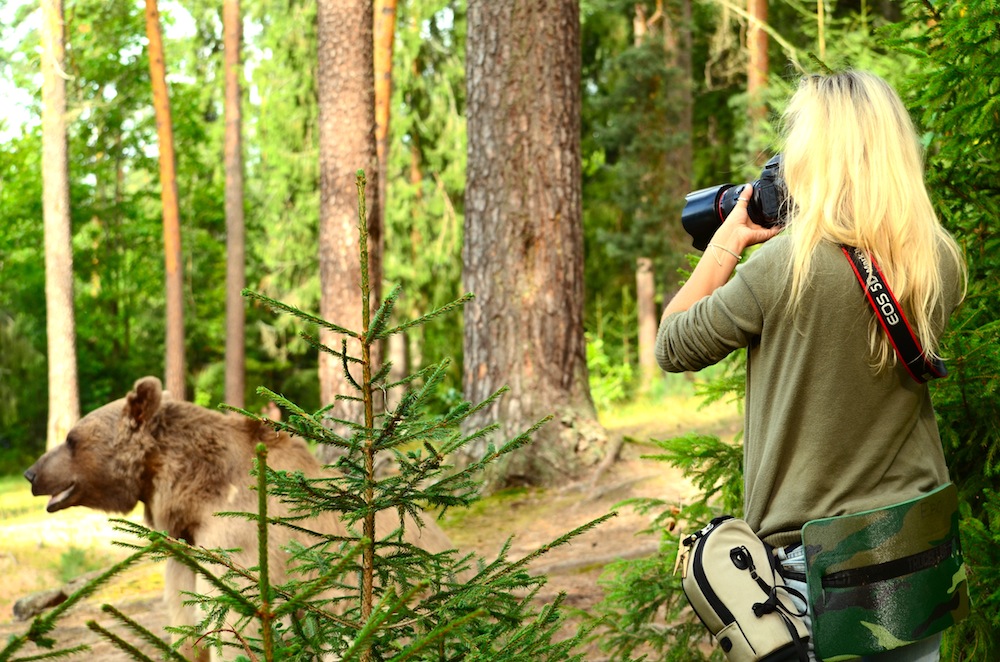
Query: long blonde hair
pixel 854 169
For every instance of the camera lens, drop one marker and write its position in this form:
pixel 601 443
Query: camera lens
pixel 703 215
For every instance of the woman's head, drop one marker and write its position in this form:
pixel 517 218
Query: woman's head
pixel 852 161
pixel 854 167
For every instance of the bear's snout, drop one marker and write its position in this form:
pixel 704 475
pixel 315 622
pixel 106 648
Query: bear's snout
pixel 30 474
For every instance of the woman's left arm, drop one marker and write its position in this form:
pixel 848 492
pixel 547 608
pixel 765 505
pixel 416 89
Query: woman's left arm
pixel 727 245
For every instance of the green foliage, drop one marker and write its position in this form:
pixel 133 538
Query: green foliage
pixel 282 184
pixel 611 381
pixel 75 562
pixel 643 612
pixel 22 287
pixel 954 98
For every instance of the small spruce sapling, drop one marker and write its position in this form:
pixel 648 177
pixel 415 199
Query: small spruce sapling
pixel 404 603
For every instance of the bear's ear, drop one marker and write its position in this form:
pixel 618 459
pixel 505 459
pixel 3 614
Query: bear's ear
pixel 143 401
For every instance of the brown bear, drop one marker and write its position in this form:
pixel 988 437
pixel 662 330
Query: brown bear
pixel 185 463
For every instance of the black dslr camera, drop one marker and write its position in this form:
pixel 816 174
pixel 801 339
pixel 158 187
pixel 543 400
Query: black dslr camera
pixel 705 210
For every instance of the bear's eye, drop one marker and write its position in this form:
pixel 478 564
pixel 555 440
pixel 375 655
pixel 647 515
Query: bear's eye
pixel 71 442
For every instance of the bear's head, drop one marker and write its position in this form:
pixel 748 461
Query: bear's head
pixel 106 458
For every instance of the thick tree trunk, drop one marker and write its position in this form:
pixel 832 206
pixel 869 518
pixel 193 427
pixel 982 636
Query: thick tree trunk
pixel 346 144
pixel 235 230
pixel 523 250
pixel 64 398
pixel 174 373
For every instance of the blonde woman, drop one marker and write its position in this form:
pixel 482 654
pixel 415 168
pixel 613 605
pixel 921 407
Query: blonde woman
pixel 834 424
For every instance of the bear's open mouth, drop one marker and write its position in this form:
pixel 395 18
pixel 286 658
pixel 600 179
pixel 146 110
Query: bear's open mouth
pixel 57 502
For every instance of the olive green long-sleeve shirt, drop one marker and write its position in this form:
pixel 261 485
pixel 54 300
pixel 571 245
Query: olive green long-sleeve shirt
pixel 825 434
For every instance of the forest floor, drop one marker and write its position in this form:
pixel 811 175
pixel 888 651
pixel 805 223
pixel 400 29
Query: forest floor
pixel 38 551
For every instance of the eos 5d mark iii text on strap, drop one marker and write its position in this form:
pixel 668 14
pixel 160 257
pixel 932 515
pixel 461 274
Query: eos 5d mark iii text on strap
pixel 890 315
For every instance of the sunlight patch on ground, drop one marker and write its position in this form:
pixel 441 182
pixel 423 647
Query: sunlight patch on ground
pixel 39 550
pixel 674 411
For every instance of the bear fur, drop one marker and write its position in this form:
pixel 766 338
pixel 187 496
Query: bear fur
pixel 185 463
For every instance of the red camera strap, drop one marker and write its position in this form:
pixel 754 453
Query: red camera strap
pixel 890 316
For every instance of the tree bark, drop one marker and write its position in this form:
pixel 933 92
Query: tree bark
pixel 64 397
pixel 384 32
pixel 678 41
pixel 523 247
pixel 645 296
pixel 174 373
pixel 346 144
pixel 757 64
pixel 235 229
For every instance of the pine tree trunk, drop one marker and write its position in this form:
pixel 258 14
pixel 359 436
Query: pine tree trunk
pixel 757 65
pixel 678 42
pixel 384 32
pixel 235 231
pixel 174 373
pixel 673 20
pixel 523 250
pixel 64 398
pixel 645 296
pixel 346 144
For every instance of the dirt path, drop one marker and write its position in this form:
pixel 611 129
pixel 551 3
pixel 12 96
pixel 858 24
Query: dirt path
pixel 532 517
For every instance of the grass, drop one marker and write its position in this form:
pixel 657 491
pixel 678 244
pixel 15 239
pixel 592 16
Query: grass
pixel 16 501
pixel 673 408
pixel 39 550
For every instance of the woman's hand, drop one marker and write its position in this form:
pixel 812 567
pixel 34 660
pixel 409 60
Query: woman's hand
pixel 738 232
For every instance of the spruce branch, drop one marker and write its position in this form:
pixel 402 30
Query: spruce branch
pixel 141 631
pixel 443 310
pixel 310 589
pixel 382 316
pixel 129 649
pixel 53 655
pixel 299 425
pixel 493 454
pixel 320 347
pixel 387 605
pixel 558 542
pixel 347 370
pixel 417 376
pixel 285 308
pixel 450 420
pixel 437 633
pixel 381 375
